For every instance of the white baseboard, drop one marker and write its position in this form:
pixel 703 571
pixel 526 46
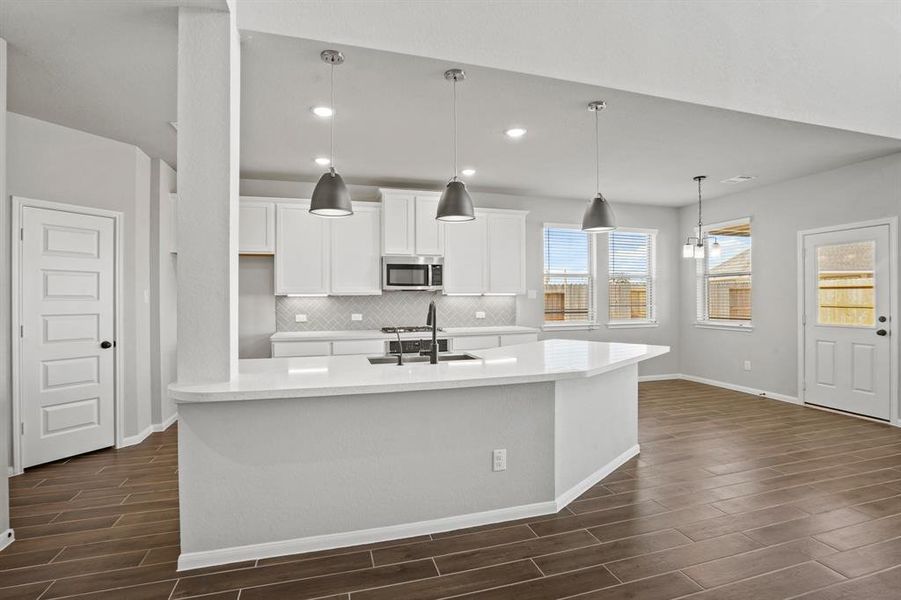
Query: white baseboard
pixel 742 388
pixel 134 440
pixel 7 538
pixel 577 490
pixel 662 377
pixel 167 422
pixel 196 560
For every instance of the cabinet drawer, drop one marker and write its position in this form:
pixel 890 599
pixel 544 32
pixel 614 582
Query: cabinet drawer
pixel 475 342
pixel 359 347
pixel 280 349
pixel 518 338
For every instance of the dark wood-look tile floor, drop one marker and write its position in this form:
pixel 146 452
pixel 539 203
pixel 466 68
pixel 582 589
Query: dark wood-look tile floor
pixel 732 497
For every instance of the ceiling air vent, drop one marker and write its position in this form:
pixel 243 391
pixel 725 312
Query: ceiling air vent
pixel 739 179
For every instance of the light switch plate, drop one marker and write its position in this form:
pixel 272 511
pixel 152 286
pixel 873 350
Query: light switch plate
pixel 480 314
pixel 356 317
pixel 300 318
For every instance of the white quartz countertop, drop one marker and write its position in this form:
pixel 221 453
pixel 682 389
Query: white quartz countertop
pixel 375 334
pixel 549 360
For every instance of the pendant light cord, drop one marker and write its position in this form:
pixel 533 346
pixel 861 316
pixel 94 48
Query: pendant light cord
pixel 597 154
pixel 455 129
pixel 332 124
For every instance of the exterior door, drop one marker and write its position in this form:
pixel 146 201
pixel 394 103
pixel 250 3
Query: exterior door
pixel 67 366
pixel 847 325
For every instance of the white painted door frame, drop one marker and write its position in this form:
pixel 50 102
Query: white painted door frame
pixel 892 223
pixel 18 204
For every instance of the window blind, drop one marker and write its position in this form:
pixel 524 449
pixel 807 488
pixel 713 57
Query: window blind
pixel 725 280
pixel 568 280
pixel 630 288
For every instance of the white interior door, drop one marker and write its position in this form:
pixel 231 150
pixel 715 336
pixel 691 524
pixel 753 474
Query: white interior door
pixel 66 369
pixel 847 325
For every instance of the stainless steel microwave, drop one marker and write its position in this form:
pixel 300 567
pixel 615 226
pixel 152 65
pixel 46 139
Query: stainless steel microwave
pixel 412 273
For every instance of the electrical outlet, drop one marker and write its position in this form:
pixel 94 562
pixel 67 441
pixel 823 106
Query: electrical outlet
pixel 480 314
pixel 747 365
pixel 499 460
pixel 356 317
pixel 300 318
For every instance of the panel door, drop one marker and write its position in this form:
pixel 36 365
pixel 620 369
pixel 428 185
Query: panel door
pixel 355 253
pixel 429 231
pixel 301 251
pixel 506 253
pixel 256 228
pixel 67 377
pixel 465 250
pixel 398 227
pixel 847 296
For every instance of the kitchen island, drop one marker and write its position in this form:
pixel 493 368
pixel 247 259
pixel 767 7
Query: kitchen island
pixel 303 454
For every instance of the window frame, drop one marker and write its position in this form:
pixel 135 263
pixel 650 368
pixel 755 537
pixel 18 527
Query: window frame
pixel 702 319
pixel 591 322
pixel 651 321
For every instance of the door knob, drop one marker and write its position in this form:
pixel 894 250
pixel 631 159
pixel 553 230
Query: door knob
pixel 882 332
pixel 105 344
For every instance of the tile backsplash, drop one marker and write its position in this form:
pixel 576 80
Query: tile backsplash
pixel 392 308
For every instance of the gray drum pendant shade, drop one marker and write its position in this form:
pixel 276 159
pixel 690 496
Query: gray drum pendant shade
pixel 330 197
pixel 455 204
pixel 598 214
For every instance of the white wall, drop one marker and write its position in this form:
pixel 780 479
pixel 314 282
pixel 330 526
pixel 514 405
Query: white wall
pixel 164 292
pixel 858 192
pixel 529 312
pixel 55 163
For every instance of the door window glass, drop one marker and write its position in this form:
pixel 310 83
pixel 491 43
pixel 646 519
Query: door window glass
pixel 846 293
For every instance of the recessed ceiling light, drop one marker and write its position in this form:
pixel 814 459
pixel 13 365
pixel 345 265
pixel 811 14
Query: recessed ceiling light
pixel 323 161
pixel 739 179
pixel 515 132
pixel 468 172
pixel 323 111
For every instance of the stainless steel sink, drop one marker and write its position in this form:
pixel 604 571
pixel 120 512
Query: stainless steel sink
pixel 391 359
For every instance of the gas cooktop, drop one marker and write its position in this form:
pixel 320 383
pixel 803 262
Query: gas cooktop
pixel 410 329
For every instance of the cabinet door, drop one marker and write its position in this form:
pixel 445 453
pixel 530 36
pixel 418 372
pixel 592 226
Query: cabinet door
pixel 355 253
pixel 256 228
pixel 301 251
pixel 429 231
pixel 398 227
pixel 506 253
pixel 465 248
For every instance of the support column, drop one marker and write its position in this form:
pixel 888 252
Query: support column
pixel 208 170
pixel 5 322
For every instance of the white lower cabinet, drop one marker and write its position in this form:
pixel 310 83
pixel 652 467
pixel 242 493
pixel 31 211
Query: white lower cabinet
pixel 373 347
pixel 518 338
pixel 296 348
pixel 475 342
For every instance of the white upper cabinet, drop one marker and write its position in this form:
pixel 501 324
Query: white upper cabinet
pixel 301 251
pixel 429 232
pixel 256 227
pixel 465 253
pixel 398 224
pixel 354 252
pixel 408 224
pixel 506 252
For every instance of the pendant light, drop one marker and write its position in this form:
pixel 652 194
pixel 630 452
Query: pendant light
pixel 598 214
pixel 455 204
pixel 695 246
pixel 330 196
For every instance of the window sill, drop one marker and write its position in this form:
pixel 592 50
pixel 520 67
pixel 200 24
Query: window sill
pixel 569 327
pixel 725 326
pixel 631 324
